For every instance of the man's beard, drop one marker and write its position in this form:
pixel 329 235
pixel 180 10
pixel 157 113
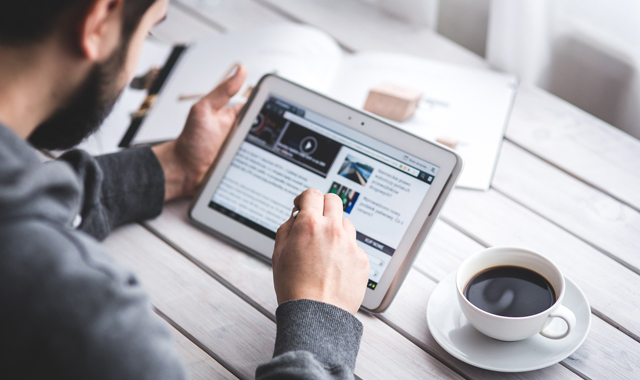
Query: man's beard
pixel 86 109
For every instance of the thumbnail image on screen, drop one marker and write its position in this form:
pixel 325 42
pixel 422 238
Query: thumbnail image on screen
pixel 356 171
pixel 348 196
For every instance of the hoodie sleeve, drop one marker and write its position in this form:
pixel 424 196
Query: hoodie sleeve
pixel 314 341
pixel 118 188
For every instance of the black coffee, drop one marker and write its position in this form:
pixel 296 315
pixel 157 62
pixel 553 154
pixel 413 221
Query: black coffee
pixel 510 291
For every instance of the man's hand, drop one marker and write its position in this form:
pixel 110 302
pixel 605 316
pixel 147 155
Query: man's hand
pixel 186 160
pixel 316 256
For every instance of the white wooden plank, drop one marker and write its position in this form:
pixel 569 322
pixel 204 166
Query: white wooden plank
pixel 218 318
pixel 443 251
pixel 617 354
pixel 577 207
pixel 200 365
pixel 383 353
pixel 607 352
pixel 359 26
pixel 577 142
pixel 610 287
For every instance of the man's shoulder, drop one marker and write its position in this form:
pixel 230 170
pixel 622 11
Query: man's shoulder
pixel 32 244
pixel 41 260
pixel 61 293
pixel 35 244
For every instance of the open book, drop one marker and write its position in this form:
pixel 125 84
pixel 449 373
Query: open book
pixel 469 105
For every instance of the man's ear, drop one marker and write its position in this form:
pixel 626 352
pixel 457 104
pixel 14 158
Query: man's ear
pixel 100 29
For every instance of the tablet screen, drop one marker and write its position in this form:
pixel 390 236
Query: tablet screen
pixel 290 149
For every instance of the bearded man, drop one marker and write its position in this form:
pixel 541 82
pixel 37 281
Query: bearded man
pixel 67 310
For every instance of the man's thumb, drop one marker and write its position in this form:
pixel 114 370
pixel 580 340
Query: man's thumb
pixel 221 95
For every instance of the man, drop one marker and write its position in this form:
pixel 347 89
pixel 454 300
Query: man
pixel 67 310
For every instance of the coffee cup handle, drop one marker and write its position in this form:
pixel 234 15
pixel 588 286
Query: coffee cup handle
pixel 565 314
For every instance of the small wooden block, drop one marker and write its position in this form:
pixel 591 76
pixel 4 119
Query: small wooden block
pixel 393 102
pixel 448 141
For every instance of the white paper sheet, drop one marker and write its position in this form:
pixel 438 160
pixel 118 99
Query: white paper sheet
pixel 469 105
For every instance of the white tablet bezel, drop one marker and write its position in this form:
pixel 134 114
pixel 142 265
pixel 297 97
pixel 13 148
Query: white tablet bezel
pixel 449 164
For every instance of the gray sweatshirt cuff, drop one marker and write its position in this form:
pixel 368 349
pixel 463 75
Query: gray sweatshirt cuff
pixel 119 188
pixel 133 186
pixel 331 334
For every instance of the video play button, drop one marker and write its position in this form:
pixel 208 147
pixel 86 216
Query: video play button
pixel 308 145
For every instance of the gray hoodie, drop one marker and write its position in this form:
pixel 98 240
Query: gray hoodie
pixel 68 311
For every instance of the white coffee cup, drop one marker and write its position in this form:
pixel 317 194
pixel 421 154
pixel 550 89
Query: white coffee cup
pixel 514 328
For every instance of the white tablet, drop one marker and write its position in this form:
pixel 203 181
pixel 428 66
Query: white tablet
pixel 287 139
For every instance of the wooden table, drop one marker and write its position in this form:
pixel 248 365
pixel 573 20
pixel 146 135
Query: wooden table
pixel 566 185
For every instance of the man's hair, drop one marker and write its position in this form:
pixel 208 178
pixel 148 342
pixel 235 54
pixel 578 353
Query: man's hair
pixel 28 21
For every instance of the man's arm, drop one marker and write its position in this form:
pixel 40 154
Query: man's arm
pixel 314 340
pixel 320 277
pixel 118 188
pixel 133 184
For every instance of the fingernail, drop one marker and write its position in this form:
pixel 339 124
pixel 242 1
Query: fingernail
pixel 233 70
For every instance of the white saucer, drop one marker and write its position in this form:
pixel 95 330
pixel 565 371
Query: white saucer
pixel 451 330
